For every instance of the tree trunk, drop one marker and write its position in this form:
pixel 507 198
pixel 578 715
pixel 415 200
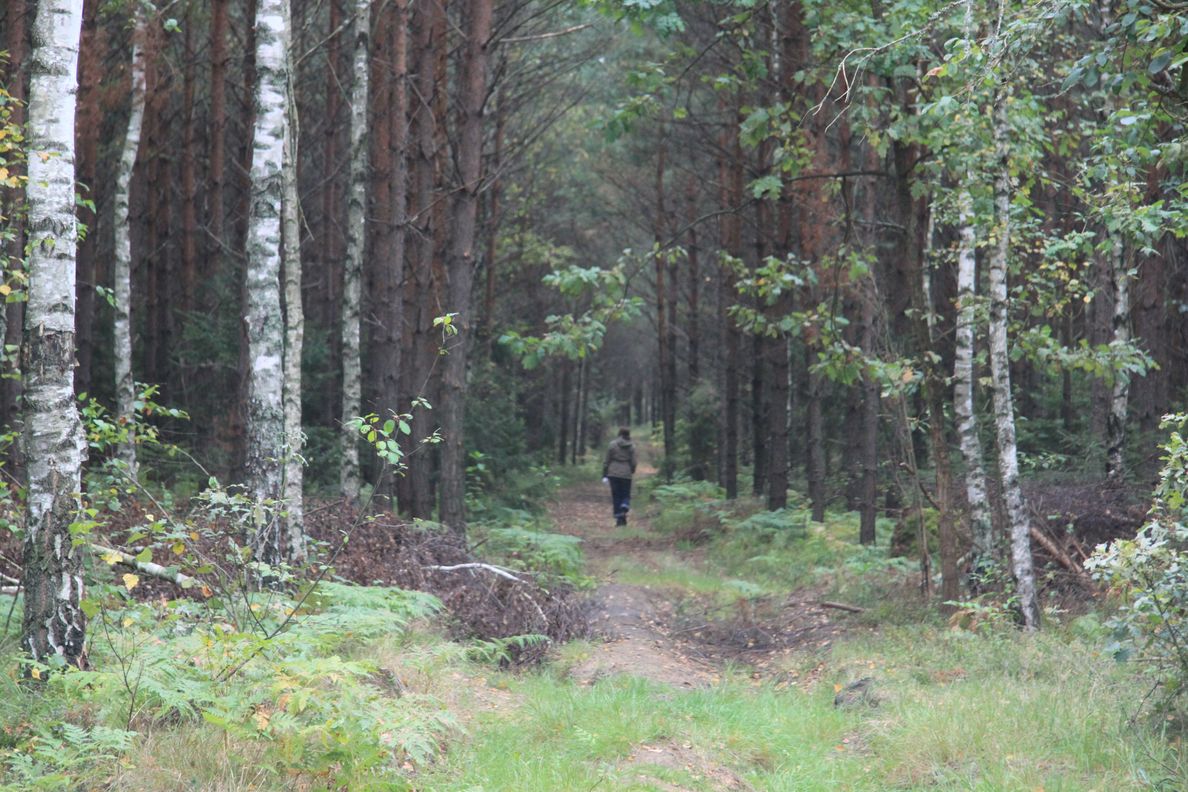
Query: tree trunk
pixel 461 266
pixel 980 528
pixel 694 299
pixel 294 475
pixel 1000 374
pixel 13 317
pixel 1120 395
pixel 189 176
pixel 815 426
pixel 868 454
pixel 53 623
pixel 86 163
pixel 563 434
pixel 125 387
pixel 263 317
pixel 216 215
pixel 352 293
pixel 730 170
pixel 664 335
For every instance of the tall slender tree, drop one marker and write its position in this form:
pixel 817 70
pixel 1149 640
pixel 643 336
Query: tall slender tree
pixel 461 263
pixel 125 387
pixel 1000 371
pixel 266 432
pixel 53 623
pixel 352 375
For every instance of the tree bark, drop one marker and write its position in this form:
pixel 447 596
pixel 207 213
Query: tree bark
pixel 461 266
pixel 294 463
pixel 216 214
pixel 1120 393
pixel 980 528
pixel 125 387
pixel 266 432
pixel 663 316
pixel 53 623
pixel 1000 374
pixel 356 229
pixel 730 171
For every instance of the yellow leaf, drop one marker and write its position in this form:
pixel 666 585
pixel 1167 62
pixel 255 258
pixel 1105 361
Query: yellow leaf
pixel 178 548
pixel 261 718
pixel 3 173
pixel 837 688
pixel 128 621
pixel 113 558
pixel 5 289
pixel 35 673
pixel 206 592
pixel 130 581
pixel 194 535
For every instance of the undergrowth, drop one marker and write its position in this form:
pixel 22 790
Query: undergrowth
pixel 311 705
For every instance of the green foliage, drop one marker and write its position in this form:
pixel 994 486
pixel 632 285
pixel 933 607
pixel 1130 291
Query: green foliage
pixel 1150 573
pixel 597 297
pixel 519 540
pixel 268 669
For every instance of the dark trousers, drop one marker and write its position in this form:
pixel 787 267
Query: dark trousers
pixel 620 496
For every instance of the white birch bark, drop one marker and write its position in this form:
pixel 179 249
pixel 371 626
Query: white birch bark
pixel 981 529
pixel 1120 397
pixel 262 288
pixel 1000 374
pixel 125 386
pixel 52 624
pixel 294 474
pixel 352 376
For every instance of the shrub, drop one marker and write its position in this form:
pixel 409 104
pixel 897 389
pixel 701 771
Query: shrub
pixel 1150 573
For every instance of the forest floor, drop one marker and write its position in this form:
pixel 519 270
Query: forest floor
pixel 646 620
pixel 695 680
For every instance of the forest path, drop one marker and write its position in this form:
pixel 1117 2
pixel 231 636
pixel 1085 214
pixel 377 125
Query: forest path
pixel 633 619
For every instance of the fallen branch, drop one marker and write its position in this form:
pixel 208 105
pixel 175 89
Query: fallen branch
pixel 147 567
pixel 475 565
pixel 1061 557
pixel 841 606
pixel 503 573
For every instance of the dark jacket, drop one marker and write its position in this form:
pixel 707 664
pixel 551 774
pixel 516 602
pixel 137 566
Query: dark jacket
pixel 620 459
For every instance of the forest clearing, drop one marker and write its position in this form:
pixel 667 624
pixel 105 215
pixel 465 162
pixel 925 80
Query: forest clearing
pixel 593 394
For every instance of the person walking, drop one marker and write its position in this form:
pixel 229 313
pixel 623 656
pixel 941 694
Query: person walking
pixel 617 469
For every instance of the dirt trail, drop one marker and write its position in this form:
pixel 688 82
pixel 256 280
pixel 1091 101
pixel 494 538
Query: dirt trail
pixel 644 634
pixel 633 621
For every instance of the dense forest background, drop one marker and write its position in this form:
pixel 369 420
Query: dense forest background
pixel 319 315
pixel 834 247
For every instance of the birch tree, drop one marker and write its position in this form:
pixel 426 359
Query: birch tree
pixel 266 431
pixel 1120 393
pixel 352 377
pixel 53 624
pixel 1000 371
pixel 294 475
pixel 981 529
pixel 122 260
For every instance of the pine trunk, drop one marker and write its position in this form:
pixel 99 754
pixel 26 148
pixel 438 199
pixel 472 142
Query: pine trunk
pixel 462 264
pixel 53 623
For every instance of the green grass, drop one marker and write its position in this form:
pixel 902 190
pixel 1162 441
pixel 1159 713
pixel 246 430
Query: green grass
pixel 957 711
pixel 984 709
